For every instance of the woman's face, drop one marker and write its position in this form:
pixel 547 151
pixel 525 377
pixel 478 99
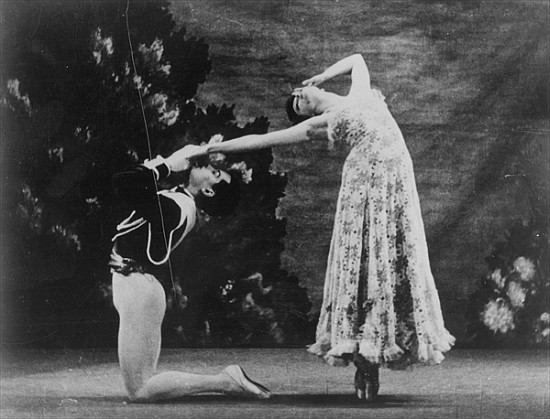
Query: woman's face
pixel 306 100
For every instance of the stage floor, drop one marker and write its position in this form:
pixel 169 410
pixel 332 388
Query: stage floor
pixel 468 384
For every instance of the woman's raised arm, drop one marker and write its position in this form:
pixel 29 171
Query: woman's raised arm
pixel 354 65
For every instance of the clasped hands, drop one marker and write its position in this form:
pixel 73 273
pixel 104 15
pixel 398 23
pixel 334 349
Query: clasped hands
pixel 180 160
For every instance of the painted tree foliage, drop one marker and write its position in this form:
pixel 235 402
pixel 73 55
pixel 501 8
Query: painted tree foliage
pixel 88 88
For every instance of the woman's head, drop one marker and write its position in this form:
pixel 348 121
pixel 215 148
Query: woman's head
pixel 306 102
pixel 291 110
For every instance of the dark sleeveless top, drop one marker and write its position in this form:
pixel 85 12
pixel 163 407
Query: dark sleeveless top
pixel 153 223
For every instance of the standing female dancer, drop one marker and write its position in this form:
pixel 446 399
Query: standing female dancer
pixel 158 222
pixel 380 304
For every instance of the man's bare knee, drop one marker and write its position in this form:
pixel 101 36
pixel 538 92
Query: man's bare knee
pixel 138 395
pixel 134 387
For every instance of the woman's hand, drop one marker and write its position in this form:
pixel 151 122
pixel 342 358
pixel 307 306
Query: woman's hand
pixel 354 65
pixel 315 80
pixel 181 159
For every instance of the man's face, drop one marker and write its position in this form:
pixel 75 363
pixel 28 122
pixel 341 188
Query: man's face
pixel 204 178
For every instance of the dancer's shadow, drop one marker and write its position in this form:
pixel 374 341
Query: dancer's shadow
pixel 290 400
pixel 342 400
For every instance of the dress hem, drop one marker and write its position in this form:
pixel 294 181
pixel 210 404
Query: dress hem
pixel 342 353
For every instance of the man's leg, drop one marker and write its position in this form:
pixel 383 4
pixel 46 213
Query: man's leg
pixel 140 302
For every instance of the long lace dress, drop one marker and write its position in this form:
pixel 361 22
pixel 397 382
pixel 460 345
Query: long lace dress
pixel 379 294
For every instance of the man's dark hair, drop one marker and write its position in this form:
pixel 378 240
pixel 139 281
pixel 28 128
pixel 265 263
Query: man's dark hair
pixel 292 115
pixel 225 200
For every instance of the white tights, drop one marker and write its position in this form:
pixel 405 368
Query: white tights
pixel 141 302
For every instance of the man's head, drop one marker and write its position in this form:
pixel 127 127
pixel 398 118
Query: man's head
pixel 216 191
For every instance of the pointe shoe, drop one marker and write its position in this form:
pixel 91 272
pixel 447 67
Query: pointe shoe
pixel 372 384
pixel 372 391
pixel 360 385
pixel 248 387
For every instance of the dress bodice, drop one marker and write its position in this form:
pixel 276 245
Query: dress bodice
pixel 367 124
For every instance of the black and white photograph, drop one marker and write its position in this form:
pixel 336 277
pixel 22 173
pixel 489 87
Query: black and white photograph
pixel 264 209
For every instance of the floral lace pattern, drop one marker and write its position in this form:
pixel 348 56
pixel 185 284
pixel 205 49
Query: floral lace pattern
pixel 380 297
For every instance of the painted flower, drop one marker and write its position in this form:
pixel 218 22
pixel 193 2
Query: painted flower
pixel 133 155
pixel 138 82
pixel 56 153
pixel 30 210
pixel 108 46
pixel 516 293
pixel 498 316
pixel 67 236
pixel 83 134
pixel 248 303
pixel 13 89
pixel 525 268
pixel 498 279
pixel 218 138
pixel 176 298
pixel 159 100
pixel 246 173
pixel 227 288
pixel 165 69
pixel 543 336
pixel 167 116
pixel 101 45
pixel 257 279
pixel 154 52
pixel 106 291
pixel 93 204
pixel 277 333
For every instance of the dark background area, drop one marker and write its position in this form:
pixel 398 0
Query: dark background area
pixel 467 81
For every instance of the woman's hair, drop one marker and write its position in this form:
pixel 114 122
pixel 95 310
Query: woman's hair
pixel 225 199
pixel 292 115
